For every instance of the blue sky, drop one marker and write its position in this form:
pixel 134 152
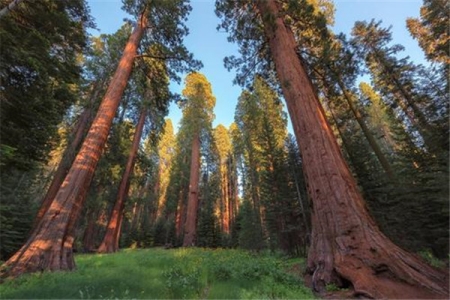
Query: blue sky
pixel 211 46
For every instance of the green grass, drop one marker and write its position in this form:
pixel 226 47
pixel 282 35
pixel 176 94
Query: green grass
pixel 165 274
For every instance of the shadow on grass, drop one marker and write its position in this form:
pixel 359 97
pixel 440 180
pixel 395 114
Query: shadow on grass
pixel 164 274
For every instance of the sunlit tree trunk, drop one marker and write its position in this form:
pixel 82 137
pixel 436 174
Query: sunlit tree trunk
pixel 50 245
pixel 77 136
pixel 192 205
pixel 225 201
pixel 110 242
pixel 369 136
pixel 347 248
pixel 232 190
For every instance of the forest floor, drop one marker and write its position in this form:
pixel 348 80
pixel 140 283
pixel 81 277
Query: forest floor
pixel 158 273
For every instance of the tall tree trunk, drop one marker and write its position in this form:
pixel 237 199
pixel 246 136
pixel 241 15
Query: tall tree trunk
pixel 77 136
pixel 88 236
pixel 50 245
pixel 404 99
pixel 137 208
pixel 347 248
pixel 300 201
pixel 192 205
pixel 369 136
pixel 180 215
pixel 233 191
pixel 225 200
pixel 110 242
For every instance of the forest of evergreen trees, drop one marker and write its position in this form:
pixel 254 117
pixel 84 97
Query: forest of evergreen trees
pixel 89 161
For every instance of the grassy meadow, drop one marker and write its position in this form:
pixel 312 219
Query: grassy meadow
pixel 166 274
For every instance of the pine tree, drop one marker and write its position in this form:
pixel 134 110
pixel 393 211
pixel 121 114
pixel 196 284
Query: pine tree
pixel 431 30
pixel 40 68
pixel 45 74
pixel 394 79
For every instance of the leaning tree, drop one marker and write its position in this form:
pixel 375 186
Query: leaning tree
pixel 49 246
pixel 347 248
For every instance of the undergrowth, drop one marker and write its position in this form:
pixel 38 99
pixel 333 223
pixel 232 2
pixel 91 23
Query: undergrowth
pixel 165 274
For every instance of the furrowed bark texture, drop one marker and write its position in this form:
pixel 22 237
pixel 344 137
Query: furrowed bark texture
pixel 225 212
pixel 347 248
pixel 50 245
pixel 88 236
pixel 180 214
pixel 79 132
pixel 110 242
pixel 191 215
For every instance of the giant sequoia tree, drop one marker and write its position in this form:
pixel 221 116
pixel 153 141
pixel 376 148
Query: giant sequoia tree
pixel 154 94
pixel 223 145
pixel 347 247
pixel 50 244
pixel 100 62
pixel 197 116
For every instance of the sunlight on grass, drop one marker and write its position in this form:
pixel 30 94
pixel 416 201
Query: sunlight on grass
pixel 165 274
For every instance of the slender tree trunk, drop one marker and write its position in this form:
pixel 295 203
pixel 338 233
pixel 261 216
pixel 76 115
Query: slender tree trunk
pixel 417 118
pixel 8 8
pixel 88 236
pixel 50 245
pixel 191 216
pixel 230 197
pixel 369 136
pixel 180 215
pixel 345 143
pixel 300 201
pixel 111 240
pixel 225 200
pixel 347 248
pixel 234 203
pixel 77 136
pixel 137 208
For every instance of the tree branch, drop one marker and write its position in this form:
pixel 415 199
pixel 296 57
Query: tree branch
pixel 5 10
pixel 158 57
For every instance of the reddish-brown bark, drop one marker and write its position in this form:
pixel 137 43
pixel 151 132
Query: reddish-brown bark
pixel 88 236
pixel 347 248
pixel 232 191
pixel 110 242
pixel 192 205
pixel 225 200
pixel 180 214
pixel 138 208
pixel 77 136
pixel 50 244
